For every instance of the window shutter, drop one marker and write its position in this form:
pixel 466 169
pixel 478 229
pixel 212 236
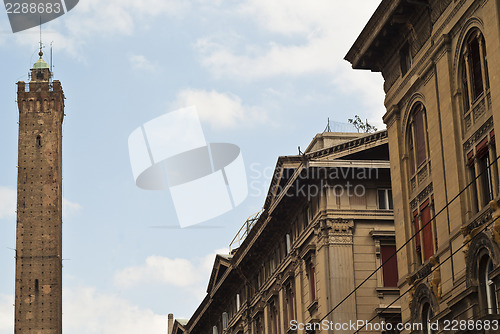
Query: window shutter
pixel 427 230
pixel 389 269
pixel 482 148
pixel 470 159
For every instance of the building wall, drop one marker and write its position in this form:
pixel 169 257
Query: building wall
pixel 334 244
pixel 462 232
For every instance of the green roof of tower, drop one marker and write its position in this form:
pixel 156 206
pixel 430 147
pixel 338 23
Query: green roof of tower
pixel 40 62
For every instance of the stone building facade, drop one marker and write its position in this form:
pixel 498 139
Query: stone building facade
pixel 327 224
pixel 440 60
pixel 38 292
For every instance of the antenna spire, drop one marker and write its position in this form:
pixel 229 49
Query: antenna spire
pixel 41 45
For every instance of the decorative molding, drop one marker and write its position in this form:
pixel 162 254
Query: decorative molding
pixel 487 126
pixel 477 244
pixel 422 196
pixel 422 294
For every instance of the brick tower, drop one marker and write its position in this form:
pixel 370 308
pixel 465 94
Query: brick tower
pixel 38 302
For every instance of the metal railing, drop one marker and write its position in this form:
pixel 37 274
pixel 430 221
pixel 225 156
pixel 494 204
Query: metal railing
pixel 244 230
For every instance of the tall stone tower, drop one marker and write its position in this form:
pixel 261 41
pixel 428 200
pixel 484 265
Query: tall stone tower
pixel 38 302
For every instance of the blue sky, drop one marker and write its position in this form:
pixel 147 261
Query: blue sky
pixel 263 75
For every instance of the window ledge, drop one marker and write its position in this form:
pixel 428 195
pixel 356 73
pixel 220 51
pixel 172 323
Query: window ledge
pixel 387 291
pixel 312 307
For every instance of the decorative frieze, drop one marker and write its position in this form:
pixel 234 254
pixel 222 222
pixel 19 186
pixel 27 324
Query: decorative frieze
pixel 424 194
pixel 485 128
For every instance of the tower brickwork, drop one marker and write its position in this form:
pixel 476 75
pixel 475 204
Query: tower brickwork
pixel 38 300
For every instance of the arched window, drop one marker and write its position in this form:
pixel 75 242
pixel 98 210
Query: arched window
pixel 474 77
pixel 417 139
pixel 427 314
pixel 488 297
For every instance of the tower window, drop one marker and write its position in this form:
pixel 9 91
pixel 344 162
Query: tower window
pixel 38 141
pixel 36 285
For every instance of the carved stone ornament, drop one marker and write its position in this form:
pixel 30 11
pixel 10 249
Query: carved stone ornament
pixel 495 216
pixel 436 277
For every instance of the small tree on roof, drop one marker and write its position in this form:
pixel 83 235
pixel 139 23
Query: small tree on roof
pixel 360 125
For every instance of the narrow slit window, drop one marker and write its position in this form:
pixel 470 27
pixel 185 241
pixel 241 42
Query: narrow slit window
pixel 38 141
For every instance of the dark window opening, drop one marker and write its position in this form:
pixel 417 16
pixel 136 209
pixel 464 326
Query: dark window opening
pixel 38 141
pixel 405 59
pixel 475 64
pixel 385 199
pixel 427 315
pixel 36 286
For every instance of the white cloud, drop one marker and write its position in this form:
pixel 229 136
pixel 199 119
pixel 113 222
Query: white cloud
pixel 70 208
pixel 326 29
pixel 220 110
pixel 141 63
pixel 8 199
pixel 318 35
pixel 87 311
pixel 6 313
pixel 93 18
pixel 191 275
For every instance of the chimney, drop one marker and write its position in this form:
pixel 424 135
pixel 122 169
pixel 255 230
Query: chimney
pixel 170 323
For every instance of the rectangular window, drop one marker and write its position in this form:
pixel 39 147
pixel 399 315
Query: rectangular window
pixel 385 199
pixel 389 269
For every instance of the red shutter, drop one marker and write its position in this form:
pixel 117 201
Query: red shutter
pixel 417 228
pixel 470 158
pixel 425 211
pixel 482 148
pixel 389 269
pixel 420 136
